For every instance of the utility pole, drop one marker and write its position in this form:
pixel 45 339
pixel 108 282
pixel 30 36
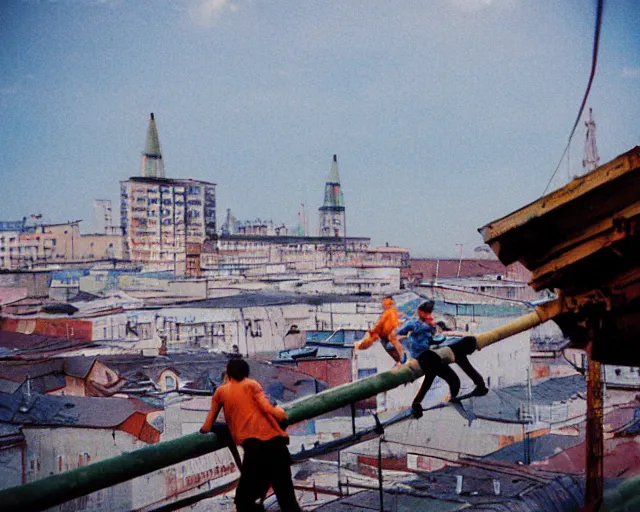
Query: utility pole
pixel 460 260
pixel 594 438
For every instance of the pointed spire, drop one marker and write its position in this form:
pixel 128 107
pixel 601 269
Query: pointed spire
pixel 332 191
pixel 334 176
pixel 152 163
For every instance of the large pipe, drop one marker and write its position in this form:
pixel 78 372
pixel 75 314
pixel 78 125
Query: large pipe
pixel 57 489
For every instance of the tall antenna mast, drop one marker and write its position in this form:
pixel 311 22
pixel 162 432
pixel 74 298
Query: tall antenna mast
pixel 591 157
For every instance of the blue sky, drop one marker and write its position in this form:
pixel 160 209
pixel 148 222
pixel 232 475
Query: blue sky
pixel 444 114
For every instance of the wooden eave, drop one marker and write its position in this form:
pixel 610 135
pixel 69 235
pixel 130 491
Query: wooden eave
pixel 582 236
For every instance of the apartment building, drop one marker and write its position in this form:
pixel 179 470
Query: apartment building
pixel 24 245
pixel 160 216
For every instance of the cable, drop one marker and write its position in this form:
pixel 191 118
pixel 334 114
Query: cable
pixel 594 60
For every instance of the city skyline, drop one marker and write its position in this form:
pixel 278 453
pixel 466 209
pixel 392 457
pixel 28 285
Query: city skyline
pixel 444 117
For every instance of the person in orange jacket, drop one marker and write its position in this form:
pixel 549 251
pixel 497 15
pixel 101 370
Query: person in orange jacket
pixel 254 423
pixel 384 330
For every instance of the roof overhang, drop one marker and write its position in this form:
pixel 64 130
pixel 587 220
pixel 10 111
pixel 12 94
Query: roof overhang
pixel 584 241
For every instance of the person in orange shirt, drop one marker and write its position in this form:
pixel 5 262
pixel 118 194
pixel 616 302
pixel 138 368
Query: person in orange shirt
pixel 254 423
pixel 384 331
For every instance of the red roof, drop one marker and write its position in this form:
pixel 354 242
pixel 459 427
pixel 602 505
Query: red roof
pixel 445 268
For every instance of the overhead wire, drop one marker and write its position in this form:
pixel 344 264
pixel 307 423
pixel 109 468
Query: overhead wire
pixel 594 61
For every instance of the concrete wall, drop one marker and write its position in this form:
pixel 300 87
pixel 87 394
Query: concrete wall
pixel 36 283
pixel 101 246
pixel 254 330
pixel 10 466
pixel 51 451
pixel 60 449
pixel 443 432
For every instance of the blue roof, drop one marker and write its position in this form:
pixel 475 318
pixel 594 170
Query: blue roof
pixel 12 225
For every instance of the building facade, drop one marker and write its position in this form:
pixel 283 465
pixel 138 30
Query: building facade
pixel 25 246
pixel 160 216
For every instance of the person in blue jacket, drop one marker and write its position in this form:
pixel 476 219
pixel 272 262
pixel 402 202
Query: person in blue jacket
pixel 418 336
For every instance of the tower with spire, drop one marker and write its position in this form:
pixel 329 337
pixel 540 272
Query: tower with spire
pixel 332 212
pixel 165 221
pixel 591 158
pixel 152 164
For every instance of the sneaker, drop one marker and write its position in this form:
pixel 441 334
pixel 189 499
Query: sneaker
pixel 480 391
pixel 417 410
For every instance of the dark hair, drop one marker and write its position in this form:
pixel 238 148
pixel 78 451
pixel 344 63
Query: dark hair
pixel 426 306
pixel 237 369
pixel 443 326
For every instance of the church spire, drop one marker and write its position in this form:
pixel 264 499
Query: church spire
pixel 152 163
pixel 332 211
pixel 332 191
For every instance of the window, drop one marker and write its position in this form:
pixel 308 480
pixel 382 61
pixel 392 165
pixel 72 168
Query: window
pixel 169 382
pixel 366 372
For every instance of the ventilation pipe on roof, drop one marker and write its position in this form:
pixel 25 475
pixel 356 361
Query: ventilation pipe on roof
pixel 459 479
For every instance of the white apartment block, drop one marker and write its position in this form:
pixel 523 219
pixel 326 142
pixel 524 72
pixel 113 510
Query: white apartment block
pixel 161 216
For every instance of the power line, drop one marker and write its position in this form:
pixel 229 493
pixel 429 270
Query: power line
pixel 594 60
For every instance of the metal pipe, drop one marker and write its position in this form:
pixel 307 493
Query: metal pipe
pixel 57 489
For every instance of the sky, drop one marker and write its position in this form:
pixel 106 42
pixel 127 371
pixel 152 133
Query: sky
pixel 445 115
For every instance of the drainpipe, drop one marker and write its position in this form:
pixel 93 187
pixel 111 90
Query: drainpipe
pixel 23 450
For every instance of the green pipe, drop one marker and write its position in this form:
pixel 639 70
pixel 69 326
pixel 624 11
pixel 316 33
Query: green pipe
pixel 57 489
pixel 624 498
pixel 335 398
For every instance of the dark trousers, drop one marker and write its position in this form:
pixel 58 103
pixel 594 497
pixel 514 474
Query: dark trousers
pixel 265 463
pixel 432 367
pixel 391 350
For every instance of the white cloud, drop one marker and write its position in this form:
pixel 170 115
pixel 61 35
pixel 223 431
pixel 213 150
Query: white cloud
pixel 205 12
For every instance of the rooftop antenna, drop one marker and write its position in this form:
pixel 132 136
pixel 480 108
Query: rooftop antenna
pixel 591 158
pixel 302 220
